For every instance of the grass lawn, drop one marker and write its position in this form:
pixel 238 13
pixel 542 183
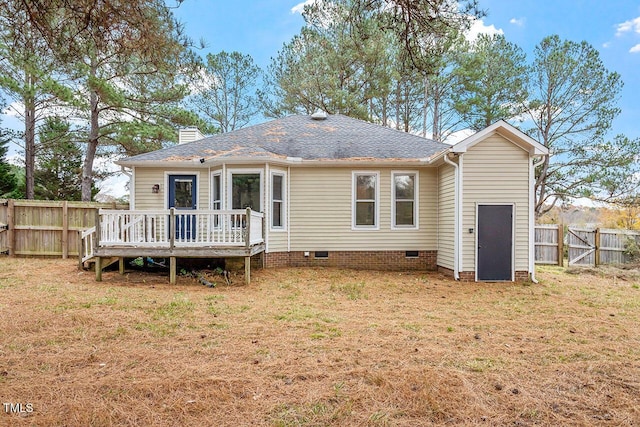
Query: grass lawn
pixel 317 347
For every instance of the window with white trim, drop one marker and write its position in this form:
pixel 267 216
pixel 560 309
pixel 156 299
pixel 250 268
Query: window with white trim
pixel 216 189
pixel 405 185
pixel 216 196
pixel 365 200
pixel 277 201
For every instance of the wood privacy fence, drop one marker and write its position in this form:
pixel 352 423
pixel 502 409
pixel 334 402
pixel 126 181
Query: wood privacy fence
pixel 585 246
pixel 549 241
pixel 45 228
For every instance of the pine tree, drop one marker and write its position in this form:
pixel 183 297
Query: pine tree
pixel 58 174
pixel 8 180
pixel 226 93
pixel 573 103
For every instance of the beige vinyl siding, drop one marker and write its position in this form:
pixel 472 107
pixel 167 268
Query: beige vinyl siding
pixel 496 171
pixel 145 178
pixel 321 212
pixel 446 216
pixel 277 238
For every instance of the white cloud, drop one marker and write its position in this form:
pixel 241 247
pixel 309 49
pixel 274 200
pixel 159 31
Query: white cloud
pixel 478 28
pixel 114 187
pixel 517 21
pixel 626 26
pixel 635 49
pixel 299 8
pixel 457 136
pixel 606 45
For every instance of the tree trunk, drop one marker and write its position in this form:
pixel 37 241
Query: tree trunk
pixel 398 106
pixel 29 138
pixel 436 132
pixel 92 145
pixel 406 109
pixel 385 119
pixel 425 107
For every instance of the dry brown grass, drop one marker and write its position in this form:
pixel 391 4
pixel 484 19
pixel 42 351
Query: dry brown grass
pixel 307 347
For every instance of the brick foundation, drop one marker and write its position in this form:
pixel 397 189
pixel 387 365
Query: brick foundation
pixel 522 276
pixel 470 276
pixel 365 260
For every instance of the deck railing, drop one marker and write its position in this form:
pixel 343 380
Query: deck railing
pixel 169 228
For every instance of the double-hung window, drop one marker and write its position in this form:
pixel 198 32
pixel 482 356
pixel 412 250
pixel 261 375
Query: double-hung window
pixel 366 195
pixel 405 199
pixel 277 201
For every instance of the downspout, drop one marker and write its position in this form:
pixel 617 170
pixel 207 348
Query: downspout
pixel 288 207
pixel 532 244
pixel 456 231
pixel 267 207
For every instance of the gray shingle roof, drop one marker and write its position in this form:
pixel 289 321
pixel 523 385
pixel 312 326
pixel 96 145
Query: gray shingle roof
pixel 337 137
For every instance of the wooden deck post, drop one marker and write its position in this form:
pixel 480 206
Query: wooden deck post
pixel 247 270
pixel 96 240
pixel 172 228
pixel 121 265
pixel 98 269
pixel 172 270
pixel 247 241
pixel 247 259
pixel 80 250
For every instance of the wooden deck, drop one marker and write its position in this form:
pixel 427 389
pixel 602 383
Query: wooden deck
pixel 172 234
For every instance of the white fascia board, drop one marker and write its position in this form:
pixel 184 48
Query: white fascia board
pixel 507 131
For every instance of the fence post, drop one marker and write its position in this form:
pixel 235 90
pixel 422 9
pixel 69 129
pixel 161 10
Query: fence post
pixel 597 245
pixel 561 244
pixel 11 223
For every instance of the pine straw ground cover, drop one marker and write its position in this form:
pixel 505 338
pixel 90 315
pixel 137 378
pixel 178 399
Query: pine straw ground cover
pixel 313 347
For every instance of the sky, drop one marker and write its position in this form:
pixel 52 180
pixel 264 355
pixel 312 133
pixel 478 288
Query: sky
pixel 261 27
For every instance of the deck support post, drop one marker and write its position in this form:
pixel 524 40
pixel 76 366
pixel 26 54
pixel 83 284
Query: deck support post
pixel 98 264
pixel 121 265
pixel 80 250
pixel 247 270
pixel 172 270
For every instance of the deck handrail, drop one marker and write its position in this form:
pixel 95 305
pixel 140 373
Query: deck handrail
pixel 87 243
pixel 167 228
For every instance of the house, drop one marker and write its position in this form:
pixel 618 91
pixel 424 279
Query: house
pixel 330 190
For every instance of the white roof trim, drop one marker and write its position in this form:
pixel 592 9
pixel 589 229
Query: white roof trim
pixel 509 132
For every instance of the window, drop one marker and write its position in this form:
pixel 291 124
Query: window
pixel 277 201
pixel 365 200
pixel 216 197
pixel 246 191
pixel 404 199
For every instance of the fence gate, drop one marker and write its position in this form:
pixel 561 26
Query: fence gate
pixel 582 246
